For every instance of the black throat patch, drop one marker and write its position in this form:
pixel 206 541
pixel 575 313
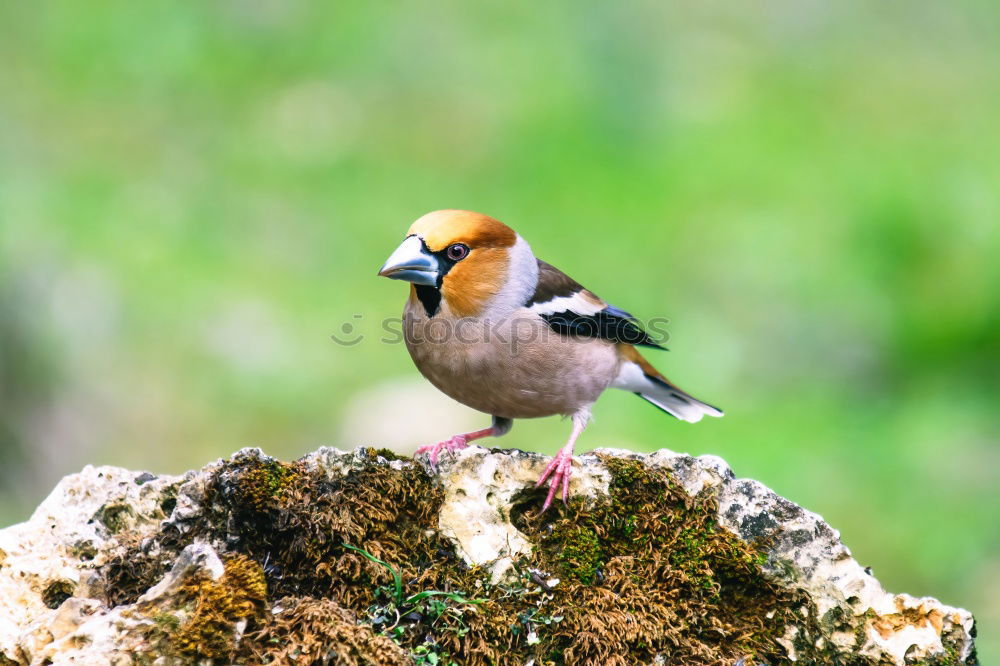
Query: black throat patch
pixel 430 298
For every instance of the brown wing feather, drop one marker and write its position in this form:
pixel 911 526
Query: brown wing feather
pixel 553 283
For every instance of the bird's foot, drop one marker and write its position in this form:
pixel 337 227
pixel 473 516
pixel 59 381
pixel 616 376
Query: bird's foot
pixel 559 469
pixel 456 443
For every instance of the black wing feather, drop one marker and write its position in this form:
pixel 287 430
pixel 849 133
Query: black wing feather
pixel 611 323
pixel 604 325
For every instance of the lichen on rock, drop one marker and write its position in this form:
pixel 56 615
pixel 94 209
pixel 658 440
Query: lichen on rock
pixel 366 558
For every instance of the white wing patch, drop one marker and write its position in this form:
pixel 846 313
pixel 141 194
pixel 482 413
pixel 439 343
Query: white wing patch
pixel 577 303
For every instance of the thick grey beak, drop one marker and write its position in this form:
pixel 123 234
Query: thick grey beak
pixel 412 263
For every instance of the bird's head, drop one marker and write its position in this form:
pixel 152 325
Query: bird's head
pixel 474 262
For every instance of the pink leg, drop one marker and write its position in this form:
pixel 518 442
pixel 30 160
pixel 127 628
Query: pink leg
pixel 455 443
pixel 562 464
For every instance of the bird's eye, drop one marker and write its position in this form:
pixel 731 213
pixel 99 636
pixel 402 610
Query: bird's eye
pixel 457 252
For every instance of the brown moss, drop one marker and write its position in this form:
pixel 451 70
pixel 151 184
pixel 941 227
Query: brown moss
pixel 303 630
pixel 216 607
pixel 645 572
pixel 299 532
pixel 138 565
pixel 57 592
pixel 258 484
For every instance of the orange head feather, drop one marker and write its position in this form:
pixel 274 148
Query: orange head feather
pixel 473 280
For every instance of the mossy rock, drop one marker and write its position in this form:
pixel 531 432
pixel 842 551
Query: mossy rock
pixel 645 572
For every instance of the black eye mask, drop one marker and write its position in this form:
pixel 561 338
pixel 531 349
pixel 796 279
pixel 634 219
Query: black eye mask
pixel 430 297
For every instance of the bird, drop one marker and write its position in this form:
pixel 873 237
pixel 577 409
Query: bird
pixel 512 336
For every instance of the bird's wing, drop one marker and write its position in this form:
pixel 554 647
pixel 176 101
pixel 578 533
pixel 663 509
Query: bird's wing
pixel 570 309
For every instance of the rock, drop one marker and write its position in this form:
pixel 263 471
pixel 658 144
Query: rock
pixel 360 557
pixel 198 559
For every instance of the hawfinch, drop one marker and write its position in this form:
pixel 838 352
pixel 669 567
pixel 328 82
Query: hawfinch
pixel 512 336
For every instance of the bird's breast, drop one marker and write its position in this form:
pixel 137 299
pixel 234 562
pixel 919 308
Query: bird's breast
pixel 516 367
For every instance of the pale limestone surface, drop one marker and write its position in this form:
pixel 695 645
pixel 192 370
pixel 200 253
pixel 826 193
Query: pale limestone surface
pixel 74 531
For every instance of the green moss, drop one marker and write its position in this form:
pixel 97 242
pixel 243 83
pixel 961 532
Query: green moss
pixel 662 575
pixel 167 623
pixel 860 631
pixel 625 474
pixel 947 658
pixel 688 556
pixel 115 516
pixel 84 549
pixel 260 484
pixel 386 454
pixel 579 552
pixel 168 500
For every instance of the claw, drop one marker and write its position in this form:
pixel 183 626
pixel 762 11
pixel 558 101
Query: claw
pixel 456 443
pixel 560 468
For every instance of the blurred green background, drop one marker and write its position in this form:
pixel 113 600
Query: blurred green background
pixel 195 196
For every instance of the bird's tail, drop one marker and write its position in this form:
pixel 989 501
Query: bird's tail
pixel 640 377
